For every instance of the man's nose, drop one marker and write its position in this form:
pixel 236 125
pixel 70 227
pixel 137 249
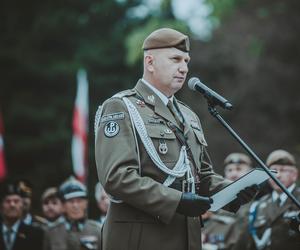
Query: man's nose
pixel 183 68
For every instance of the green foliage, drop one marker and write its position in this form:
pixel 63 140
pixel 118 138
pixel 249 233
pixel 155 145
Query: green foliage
pixel 223 8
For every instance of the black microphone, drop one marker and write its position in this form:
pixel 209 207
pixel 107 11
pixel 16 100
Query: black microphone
pixel 212 97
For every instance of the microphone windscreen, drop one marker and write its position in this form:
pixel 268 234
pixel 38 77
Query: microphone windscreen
pixel 192 82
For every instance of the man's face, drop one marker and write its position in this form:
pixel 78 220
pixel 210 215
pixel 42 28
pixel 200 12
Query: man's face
pixel 52 208
pixel 12 207
pixel 75 208
pixel 234 171
pixel 103 204
pixel 169 68
pixel 286 174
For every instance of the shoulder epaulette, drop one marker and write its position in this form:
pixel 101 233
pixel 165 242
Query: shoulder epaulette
pixel 94 223
pixel 128 92
pixel 40 219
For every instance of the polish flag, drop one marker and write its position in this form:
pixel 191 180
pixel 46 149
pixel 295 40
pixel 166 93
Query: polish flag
pixel 2 161
pixel 80 127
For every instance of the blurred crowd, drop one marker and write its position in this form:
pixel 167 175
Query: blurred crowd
pixel 271 221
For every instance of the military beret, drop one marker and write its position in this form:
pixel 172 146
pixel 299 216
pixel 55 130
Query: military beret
pixel 237 158
pixel 51 192
pixel 10 189
pixel 167 38
pixel 280 157
pixel 72 188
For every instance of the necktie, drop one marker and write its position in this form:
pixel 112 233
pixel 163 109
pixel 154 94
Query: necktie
pixel 8 238
pixel 175 113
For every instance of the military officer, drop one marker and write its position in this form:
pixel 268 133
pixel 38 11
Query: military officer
pixel 222 228
pixel 76 232
pixel 151 156
pixel 269 218
pixel 14 233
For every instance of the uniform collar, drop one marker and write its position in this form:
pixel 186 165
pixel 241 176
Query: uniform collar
pixel 151 98
pixel 14 228
pixel 283 195
pixel 163 97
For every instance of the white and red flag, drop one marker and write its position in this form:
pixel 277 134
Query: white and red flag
pixel 80 127
pixel 2 160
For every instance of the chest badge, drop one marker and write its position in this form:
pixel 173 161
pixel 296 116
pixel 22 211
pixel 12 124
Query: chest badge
pixel 111 129
pixel 162 148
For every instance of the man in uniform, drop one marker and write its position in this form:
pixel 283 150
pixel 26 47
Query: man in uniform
pixel 269 218
pixel 14 233
pixel 151 156
pixel 76 232
pixel 222 229
pixel 28 218
pixel 52 206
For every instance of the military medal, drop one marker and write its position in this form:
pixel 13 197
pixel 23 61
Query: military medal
pixel 163 148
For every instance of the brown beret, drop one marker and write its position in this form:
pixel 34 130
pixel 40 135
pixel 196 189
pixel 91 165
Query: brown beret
pixel 280 157
pixel 237 158
pixel 51 192
pixel 167 38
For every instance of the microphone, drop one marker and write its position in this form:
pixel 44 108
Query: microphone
pixel 212 97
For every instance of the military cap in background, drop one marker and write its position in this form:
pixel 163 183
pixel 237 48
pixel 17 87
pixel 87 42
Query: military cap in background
pixel 167 38
pixel 26 187
pixel 72 188
pixel 237 158
pixel 49 193
pixel 10 189
pixel 280 157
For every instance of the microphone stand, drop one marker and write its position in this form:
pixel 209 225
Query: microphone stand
pixel 213 111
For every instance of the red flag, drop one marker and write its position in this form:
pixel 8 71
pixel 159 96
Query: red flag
pixel 2 161
pixel 80 127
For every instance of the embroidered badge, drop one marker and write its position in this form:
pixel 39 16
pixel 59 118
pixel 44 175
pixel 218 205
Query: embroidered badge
pixel 151 98
pixel 111 129
pixel 113 117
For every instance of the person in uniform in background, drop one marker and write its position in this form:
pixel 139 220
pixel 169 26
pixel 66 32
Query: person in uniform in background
pixel 52 206
pixel 102 202
pixel 76 232
pixel 221 229
pixel 152 158
pixel 14 233
pixel 28 218
pixel 269 218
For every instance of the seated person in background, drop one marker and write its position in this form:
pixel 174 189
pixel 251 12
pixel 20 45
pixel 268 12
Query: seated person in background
pixel 102 202
pixel 14 233
pixel 52 206
pixel 76 232
pixel 269 218
pixel 221 229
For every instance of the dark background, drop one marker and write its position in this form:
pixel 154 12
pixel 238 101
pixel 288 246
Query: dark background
pixel 252 59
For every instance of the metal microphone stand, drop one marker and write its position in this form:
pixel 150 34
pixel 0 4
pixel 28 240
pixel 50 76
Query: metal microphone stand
pixel 213 111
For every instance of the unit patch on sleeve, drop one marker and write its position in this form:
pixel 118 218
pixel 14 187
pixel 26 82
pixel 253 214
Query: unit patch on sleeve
pixel 113 117
pixel 111 129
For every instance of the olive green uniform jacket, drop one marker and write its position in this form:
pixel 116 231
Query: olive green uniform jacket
pixel 147 218
pixel 62 237
pixel 270 215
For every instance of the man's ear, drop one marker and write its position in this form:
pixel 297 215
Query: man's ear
pixel 149 60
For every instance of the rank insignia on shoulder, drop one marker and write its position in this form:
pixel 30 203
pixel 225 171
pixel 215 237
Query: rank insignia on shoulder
pixel 111 129
pixel 113 117
pixel 140 103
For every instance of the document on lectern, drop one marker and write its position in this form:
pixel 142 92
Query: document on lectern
pixel 229 192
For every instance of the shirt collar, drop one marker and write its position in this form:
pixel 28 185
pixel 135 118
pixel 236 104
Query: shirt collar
pixel 28 219
pixel 164 98
pixel 14 228
pixel 283 195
